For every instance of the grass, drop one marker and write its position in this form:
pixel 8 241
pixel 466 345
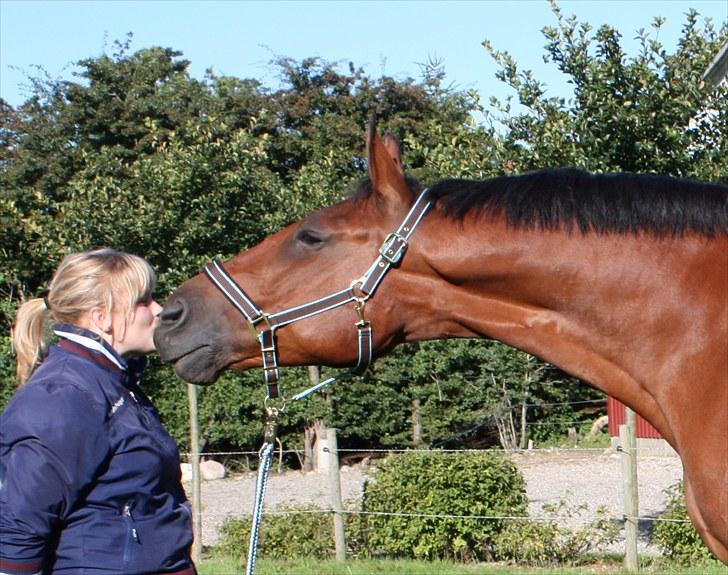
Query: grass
pixel 227 566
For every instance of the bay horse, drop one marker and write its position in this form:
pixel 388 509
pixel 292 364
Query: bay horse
pixel 620 280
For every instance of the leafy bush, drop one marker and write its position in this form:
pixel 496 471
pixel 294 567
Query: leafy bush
pixel 308 534
pixel 7 370
pixel 427 484
pixel 678 539
pixel 548 543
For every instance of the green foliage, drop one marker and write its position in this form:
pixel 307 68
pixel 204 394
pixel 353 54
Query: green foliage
pixel 548 542
pixel 477 484
pixel 7 370
pixel 470 392
pixel 466 150
pixel 309 534
pixel 648 113
pixel 677 537
pixel 433 484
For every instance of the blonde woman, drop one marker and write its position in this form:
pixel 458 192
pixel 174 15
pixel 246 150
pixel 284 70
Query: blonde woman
pixel 89 477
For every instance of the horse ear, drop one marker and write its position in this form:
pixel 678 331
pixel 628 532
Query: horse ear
pixel 392 146
pixel 385 166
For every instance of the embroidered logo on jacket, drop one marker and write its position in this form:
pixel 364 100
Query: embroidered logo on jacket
pixel 117 405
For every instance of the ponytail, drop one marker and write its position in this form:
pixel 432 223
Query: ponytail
pixel 28 337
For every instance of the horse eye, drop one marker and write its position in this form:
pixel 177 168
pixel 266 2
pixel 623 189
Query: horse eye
pixel 309 237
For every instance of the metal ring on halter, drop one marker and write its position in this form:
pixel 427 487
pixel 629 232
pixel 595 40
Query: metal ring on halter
pixel 361 299
pixel 253 324
pixel 359 302
pixel 274 407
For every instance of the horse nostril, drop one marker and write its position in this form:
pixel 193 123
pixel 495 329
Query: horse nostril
pixel 174 312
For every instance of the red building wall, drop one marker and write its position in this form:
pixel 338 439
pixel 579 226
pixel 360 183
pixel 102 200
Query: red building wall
pixel 615 411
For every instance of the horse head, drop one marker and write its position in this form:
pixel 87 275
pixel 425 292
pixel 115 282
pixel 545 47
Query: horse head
pixel 202 334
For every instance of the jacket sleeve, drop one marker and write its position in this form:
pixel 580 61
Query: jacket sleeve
pixel 52 441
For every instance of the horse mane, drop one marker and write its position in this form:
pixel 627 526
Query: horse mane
pixel 601 203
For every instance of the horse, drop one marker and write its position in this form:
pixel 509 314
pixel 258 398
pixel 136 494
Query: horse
pixel 620 280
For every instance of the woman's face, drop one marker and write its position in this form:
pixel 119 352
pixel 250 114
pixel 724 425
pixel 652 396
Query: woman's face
pixel 137 338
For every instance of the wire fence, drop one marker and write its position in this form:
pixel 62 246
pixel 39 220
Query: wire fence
pixel 435 446
pixel 378 451
pixel 394 513
pixel 609 530
pixel 566 516
pixel 549 519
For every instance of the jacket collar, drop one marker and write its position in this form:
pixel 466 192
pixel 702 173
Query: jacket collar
pixel 91 341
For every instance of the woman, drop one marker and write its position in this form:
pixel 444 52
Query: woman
pixel 89 477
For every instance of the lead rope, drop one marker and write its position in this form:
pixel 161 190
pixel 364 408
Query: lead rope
pixel 265 457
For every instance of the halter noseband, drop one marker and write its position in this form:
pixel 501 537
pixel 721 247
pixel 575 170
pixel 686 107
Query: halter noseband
pixel 264 325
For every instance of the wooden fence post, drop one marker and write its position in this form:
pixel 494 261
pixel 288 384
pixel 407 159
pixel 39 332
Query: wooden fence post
pixel 628 441
pixel 335 494
pixel 195 462
pixel 417 440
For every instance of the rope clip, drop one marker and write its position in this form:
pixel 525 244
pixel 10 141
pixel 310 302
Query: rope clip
pixel 272 414
pixel 359 305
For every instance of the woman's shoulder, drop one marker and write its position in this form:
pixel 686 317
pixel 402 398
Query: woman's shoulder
pixel 64 384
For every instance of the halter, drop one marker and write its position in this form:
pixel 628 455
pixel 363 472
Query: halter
pixel 264 325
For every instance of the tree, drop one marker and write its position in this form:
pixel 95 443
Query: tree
pixel 646 113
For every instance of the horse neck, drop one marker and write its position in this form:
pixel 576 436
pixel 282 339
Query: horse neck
pixel 589 304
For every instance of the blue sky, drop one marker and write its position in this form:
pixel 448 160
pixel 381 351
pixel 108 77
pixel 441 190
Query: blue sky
pixel 240 38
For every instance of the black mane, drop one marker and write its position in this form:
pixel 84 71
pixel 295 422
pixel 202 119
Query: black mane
pixel 608 203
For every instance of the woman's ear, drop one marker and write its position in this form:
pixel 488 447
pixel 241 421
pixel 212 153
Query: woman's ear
pixel 100 320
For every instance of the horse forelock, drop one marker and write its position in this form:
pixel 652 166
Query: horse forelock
pixel 601 203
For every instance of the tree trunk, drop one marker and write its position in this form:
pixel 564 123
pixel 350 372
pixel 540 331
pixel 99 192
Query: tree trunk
pixel 309 431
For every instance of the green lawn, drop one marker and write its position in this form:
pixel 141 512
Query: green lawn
pixel 221 566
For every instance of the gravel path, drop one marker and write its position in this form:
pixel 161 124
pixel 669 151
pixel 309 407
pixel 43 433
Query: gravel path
pixel 591 477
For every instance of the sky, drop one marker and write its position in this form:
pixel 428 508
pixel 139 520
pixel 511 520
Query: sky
pixel 240 38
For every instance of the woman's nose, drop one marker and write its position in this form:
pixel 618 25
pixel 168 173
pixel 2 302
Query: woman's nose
pixel 155 308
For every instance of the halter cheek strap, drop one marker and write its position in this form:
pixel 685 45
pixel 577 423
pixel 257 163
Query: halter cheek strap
pixel 264 325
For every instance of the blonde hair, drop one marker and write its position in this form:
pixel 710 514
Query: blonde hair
pixel 115 281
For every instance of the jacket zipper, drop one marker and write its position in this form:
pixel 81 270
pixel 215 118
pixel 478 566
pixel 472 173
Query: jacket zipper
pixel 132 533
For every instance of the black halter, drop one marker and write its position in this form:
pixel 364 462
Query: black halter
pixel 264 325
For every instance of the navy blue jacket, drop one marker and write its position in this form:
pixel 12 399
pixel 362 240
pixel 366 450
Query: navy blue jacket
pixel 89 478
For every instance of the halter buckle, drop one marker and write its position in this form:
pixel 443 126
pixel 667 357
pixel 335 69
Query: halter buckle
pixel 393 248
